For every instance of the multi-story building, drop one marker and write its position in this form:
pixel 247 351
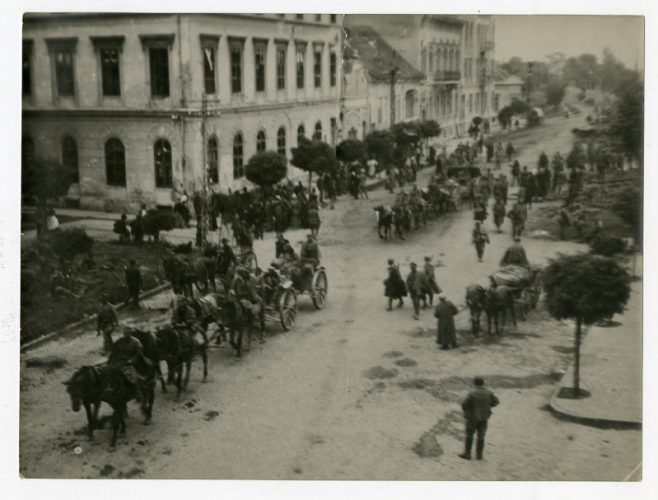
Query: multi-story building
pixel 379 88
pixel 508 88
pixel 124 99
pixel 456 55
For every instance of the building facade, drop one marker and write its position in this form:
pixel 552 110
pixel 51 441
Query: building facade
pixel 141 104
pixel 508 88
pixel 380 88
pixel 456 55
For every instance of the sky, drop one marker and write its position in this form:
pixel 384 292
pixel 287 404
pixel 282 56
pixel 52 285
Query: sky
pixel 534 37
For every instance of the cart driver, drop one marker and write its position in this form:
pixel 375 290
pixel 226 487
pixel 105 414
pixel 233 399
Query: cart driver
pixel 310 253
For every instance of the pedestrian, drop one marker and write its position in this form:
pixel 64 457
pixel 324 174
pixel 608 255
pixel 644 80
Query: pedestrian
pixel 477 410
pixel 445 312
pixel 415 288
pixel 518 215
pixel 516 173
pixel 515 255
pixel 314 219
pixel 394 287
pixel 106 322
pixel 430 285
pixel 564 222
pixel 480 209
pixel 510 151
pixel 362 184
pixel 134 282
pixel 499 212
pixel 480 239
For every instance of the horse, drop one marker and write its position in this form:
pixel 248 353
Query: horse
pixel 150 351
pixel 476 302
pixel 384 221
pixel 499 300
pixel 91 385
pixel 184 273
pixel 177 347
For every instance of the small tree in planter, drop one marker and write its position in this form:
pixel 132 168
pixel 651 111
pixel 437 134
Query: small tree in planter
pixel 314 157
pixel 381 145
pixel 585 288
pixel 351 150
pixel 266 169
pixel 44 180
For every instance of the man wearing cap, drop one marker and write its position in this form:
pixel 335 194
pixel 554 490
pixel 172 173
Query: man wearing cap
pixel 477 410
pixel 515 255
pixel 445 312
pixel 226 259
pixel 394 287
pixel 415 288
pixel 430 286
pixel 310 253
pixel 480 239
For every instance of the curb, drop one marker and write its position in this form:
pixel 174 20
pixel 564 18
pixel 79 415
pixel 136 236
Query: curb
pixel 87 319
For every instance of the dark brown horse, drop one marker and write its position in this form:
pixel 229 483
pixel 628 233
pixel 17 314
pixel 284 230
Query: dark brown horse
pixel 494 301
pixel 177 347
pixel 184 274
pixel 91 385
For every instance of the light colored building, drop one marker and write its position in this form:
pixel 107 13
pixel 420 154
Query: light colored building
pixel 380 87
pixel 508 88
pixel 120 97
pixel 456 55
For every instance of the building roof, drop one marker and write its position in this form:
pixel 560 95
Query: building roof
pixel 505 78
pixel 377 56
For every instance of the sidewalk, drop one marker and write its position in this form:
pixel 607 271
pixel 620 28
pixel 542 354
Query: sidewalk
pixel 611 370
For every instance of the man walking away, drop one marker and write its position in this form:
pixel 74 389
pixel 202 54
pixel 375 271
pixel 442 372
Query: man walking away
pixel 134 282
pixel 480 239
pixel 394 287
pixel 477 410
pixel 415 288
pixel 445 312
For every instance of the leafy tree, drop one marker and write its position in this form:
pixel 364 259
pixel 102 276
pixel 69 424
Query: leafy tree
pixel 585 288
pixel 477 121
pixel 67 244
pixel 555 92
pixel 314 156
pixel 627 124
pixel 519 107
pixel 266 168
pixel 44 180
pixel 158 220
pixel 351 150
pixel 533 118
pixel 606 245
pixel 583 71
pixel 505 116
pixel 407 136
pixel 629 206
pixel 429 128
pixel 380 144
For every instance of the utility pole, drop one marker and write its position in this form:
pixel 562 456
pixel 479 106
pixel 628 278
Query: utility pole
pixel 394 73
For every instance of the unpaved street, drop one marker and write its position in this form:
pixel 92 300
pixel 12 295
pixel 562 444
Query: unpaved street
pixel 353 391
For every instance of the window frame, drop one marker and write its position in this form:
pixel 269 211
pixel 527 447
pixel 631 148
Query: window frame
pixel 238 169
pixel 281 70
pixel 55 47
pixel 163 176
pixel 281 141
pixel 317 129
pixel 301 128
pixel 261 141
pixel 237 78
pixel 260 71
pixel 65 150
pixel 106 43
pixel 318 52
pixel 210 42
pixel 159 42
pixel 122 178
pixel 213 160
pixel 333 68
pixel 27 84
pixel 300 71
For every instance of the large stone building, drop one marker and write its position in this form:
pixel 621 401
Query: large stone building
pixel 508 88
pixel 456 55
pixel 380 87
pixel 120 97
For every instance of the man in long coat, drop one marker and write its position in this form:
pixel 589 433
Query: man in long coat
pixel 445 312
pixel 415 288
pixel 394 287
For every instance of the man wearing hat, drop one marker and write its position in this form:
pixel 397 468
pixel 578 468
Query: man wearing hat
pixel 515 255
pixel 477 410
pixel 415 288
pixel 394 287
pixel 445 312
pixel 430 286
pixel 480 239
pixel 226 259
pixel 106 322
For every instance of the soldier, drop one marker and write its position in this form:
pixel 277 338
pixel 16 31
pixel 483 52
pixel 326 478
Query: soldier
pixel 134 283
pixel 499 213
pixel 480 239
pixel 106 323
pixel 518 215
pixel 226 259
pixel 445 312
pixel 415 288
pixel 128 355
pixel 515 255
pixel 430 285
pixel 280 245
pixel 310 252
pixel 477 410
pixel 394 287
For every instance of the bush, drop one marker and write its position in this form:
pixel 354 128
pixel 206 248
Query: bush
pixel 533 118
pixel 607 246
pixel 351 150
pixel 159 220
pixel 68 243
pixel 266 168
pixel 629 206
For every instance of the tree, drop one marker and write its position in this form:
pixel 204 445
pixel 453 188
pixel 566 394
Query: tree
pixel 519 107
pixel 533 118
pixel 314 156
pixel 67 244
pixel 627 123
pixel 555 93
pixel 351 150
pixel 381 145
pixel 505 116
pixel 429 128
pixel 629 206
pixel 266 168
pixel 158 220
pixel 44 180
pixel 407 135
pixel 585 288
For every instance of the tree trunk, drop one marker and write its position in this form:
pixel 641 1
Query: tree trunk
pixel 576 370
pixel 310 180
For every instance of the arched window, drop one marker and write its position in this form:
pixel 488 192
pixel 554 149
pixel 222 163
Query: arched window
pixel 317 135
pixel 410 103
pixel 301 133
pixel 162 162
pixel 70 157
pixel 261 143
pixel 238 156
pixel 213 160
pixel 115 162
pixel 281 141
pixel 352 134
pixel 27 150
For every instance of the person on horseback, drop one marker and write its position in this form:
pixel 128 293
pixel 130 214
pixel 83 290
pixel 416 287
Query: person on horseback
pixel 128 354
pixel 106 322
pixel 185 316
pixel 245 290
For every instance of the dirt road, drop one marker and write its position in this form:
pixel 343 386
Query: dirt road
pixel 353 391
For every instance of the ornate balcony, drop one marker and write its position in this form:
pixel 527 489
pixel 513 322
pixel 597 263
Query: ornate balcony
pixel 446 77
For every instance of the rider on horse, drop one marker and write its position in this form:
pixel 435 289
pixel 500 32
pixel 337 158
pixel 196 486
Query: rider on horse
pixel 128 355
pixel 184 315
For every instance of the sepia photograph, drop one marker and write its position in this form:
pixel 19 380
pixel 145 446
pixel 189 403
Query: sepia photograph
pixel 350 246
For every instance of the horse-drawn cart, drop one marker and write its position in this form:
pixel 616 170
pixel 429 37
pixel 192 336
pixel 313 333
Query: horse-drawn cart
pixel 307 277
pixel 279 297
pixel 525 283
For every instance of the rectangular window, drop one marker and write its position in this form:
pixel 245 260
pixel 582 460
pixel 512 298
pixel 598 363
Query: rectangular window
pixel 236 69
pixel 332 69
pixel 299 16
pixel 159 71
pixel 300 54
pixel 110 72
pixel 260 68
pixel 318 17
pixel 27 69
pixel 317 67
pixel 281 67
pixel 333 18
pixel 209 70
pixel 64 72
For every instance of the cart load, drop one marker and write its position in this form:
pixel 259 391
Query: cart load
pixel 512 276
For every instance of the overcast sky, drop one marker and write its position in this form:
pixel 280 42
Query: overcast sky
pixel 534 37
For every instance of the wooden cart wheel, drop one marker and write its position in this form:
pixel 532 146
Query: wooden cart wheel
pixel 320 289
pixel 287 308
